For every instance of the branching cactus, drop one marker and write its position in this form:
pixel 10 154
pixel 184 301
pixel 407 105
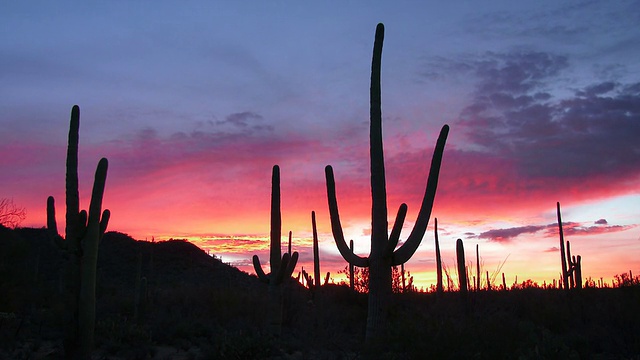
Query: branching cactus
pixel 282 266
pixel 383 255
pixel 80 243
pixel 571 265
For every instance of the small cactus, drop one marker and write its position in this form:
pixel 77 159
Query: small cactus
pixel 462 270
pixel 316 251
pixel 478 267
pixel 439 288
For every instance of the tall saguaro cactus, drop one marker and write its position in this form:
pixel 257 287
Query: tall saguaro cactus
pixel 282 266
pixel 82 236
pixel 383 255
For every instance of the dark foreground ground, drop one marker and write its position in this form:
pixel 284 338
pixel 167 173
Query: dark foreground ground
pixel 192 306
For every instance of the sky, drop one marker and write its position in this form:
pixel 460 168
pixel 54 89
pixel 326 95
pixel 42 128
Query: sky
pixel 193 103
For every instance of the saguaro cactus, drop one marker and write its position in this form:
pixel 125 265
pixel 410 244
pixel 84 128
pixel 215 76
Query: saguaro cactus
pixel 82 236
pixel 565 275
pixel 571 265
pixel 282 266
pixel 351 269
pixel 439 288
pixel 462 270
pixel 478 267
pixel 384 254
pixel 316 251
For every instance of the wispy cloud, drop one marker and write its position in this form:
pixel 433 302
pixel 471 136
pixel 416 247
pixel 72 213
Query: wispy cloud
pixel 551 230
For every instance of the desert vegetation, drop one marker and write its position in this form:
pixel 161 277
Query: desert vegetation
pixel 93 294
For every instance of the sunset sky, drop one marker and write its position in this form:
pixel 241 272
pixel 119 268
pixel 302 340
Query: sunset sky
pixel 194 104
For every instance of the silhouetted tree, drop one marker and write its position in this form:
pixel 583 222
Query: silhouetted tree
pixel 11 215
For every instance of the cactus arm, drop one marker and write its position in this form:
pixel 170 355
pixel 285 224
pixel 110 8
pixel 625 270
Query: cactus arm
pixel 282 270
pixel 289 247
pixel 404 253
pixel 394 237
pixel 258 268
pixel 104 222
pixel 72 193
pixel 95 207
pixel 336 227
pixel 52 226
pixel 291 264
pixel 90 241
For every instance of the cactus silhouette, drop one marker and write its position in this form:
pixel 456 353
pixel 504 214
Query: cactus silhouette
pixel 439 288
pixel 478 268
pixel 82 236
pixel 316 251
pixel 351 269
pixel 315 282
pixel 462 270
pixel 571 265
pixel 282 266
pixel 384 254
